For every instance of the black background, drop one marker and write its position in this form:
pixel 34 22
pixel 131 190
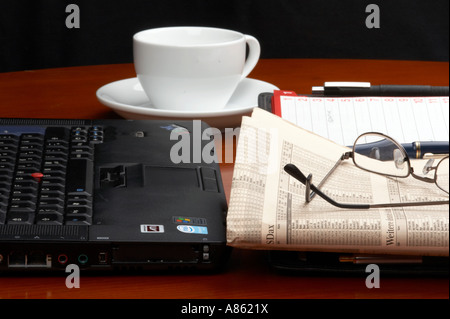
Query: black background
pixel 33 33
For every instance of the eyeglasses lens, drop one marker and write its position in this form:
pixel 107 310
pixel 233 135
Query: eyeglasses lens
pixel 380 154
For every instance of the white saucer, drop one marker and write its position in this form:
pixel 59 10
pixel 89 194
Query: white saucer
pixel 128 99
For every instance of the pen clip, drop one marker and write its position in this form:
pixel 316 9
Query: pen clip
pixel 336 86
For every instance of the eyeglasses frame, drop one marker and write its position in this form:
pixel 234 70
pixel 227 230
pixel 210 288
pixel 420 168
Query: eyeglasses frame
pixel 311 189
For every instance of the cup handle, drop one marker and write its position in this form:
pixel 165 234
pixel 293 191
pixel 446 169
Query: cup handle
pixel 253 55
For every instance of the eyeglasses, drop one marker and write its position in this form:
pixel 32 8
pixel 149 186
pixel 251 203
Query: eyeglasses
pixel 378 153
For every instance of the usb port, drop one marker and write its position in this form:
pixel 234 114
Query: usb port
pixel 39 259
pixel 103 257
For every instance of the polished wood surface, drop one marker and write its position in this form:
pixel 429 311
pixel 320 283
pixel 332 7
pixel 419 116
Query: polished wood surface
pixel 70 93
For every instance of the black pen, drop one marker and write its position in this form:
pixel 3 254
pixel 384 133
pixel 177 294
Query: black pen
pixel 381 259
pixel 414 150
pixel 366 89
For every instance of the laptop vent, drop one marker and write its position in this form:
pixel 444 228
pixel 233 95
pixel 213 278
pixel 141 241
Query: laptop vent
pixel 43 232
pixel 43 122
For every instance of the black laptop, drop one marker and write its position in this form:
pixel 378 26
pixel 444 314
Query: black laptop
pixel 109 194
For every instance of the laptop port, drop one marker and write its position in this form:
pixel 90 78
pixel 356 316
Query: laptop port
pixel 39 259
pixel 35 259
pixel 62 259
pixel 17 259
pixel 82 259
pixel 102 257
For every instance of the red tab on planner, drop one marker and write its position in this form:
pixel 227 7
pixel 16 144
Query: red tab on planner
pixel 276 102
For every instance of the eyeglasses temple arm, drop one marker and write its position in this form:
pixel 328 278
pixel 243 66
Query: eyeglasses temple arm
pixel 411 204
pixel 344 156
pixel 293 170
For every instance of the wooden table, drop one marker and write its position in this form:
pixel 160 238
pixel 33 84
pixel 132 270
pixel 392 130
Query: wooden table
pixel 70 93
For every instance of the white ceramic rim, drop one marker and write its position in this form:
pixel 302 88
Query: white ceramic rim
pixel 145 110
pixel 138 37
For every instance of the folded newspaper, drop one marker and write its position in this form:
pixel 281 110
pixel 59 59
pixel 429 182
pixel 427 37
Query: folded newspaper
pixel 267 208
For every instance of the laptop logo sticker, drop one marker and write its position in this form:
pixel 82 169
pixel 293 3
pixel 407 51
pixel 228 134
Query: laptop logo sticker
pixel 193 229
pixel 189 220
pixel 152 229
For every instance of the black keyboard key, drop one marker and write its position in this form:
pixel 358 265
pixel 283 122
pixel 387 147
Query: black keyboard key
pixel 81 154
pixel 8 147
pixel 56 153
pixel 54 190
pixel 27 193
pixel 82 145
pixel 78 202
pixel 78 220
pixel 34 165
pixel 7 167
pixel 53 177
pixel 20 217
pixel 75 211
pixel 25 179
pixel 57 150
pixel 30 160
pixel 25 172
pixel 57 134
pixel 79 210
pixel 6 160
pixel 84 197
pixel 5 179
pixel 51 218
pixel 79 176
pixel 51 209
pixel 56 157
pixel 80 139
pixel 76 130
pixel 18 185
pixel 52 180
pixel 33 137
pixel 3 210
pixel 55 163
pixel 11 155
pixel 4 193
pixel 23 197
pixel 22 206
pixel 57 144
pixel 5 138
pixel 4 197
pixel 25 147
pixel 34 154
pixel 51 201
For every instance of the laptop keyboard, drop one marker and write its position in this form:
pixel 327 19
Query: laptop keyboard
pixel 46 174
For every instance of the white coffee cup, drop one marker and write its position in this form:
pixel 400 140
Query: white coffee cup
pixel 192 68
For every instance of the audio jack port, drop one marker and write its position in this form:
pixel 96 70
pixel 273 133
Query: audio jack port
pixel 82 259
pixel 62 259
